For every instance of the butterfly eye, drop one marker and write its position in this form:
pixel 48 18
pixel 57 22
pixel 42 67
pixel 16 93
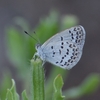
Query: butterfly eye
pixel 37 46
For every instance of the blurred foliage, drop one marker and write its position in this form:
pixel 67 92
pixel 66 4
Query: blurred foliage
pixel 88 86
pixel 5 83
pixel 20 49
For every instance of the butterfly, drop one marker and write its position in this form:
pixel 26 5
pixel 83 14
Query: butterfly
pixel 64 49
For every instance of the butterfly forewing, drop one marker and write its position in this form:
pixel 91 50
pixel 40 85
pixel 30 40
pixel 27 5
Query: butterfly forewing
pixel 75 34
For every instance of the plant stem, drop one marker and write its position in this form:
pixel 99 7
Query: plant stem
pixel 37 80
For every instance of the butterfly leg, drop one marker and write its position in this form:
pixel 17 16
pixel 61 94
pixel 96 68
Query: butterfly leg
pixel 34 57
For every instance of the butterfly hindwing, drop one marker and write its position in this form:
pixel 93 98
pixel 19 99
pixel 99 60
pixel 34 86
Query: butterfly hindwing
pixel 63 54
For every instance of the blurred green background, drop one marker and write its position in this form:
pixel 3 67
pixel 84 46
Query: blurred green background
pixel 47 18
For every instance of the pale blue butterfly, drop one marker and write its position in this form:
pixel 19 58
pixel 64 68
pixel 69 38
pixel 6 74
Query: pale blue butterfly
pixel 63 49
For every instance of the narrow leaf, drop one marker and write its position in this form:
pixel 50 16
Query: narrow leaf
pixel 11 93
pixel 24 95
pixel 58 83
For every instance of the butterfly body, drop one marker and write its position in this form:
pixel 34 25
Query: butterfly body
pixel 63 49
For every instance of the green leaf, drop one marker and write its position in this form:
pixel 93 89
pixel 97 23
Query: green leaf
pixel 58 83
pixel 24 95
pixel 49 82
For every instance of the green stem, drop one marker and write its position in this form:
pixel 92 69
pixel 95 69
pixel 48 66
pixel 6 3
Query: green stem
pixel 37 80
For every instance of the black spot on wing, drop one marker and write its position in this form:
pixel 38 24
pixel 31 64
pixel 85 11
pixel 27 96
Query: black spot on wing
pixel 68 64
pixel 69 31
pixel 62 47
pixel 65 63
pixel 70 45
pixel 51 47
pixel 61 61
pixel 67 52
pixel 61 38
pixel 62 57
pixel 62 43
pixel 57 62
pixel 75 29
pixel 71 61
pixel 72 38
pixel 59 51
pixel 53 52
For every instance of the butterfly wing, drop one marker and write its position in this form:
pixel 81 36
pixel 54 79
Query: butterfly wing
pixel 75 34
pixel 65 48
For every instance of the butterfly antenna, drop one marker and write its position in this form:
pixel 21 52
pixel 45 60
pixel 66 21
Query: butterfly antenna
pixel 31 36
pixel 37 37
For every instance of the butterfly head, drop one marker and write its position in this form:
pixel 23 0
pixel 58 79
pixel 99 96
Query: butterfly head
pixel 39 52
pixel 38 46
